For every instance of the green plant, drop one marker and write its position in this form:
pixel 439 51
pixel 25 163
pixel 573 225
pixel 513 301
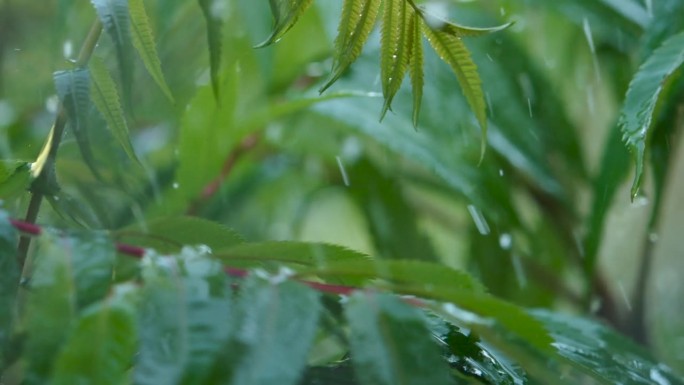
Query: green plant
pixel 458 250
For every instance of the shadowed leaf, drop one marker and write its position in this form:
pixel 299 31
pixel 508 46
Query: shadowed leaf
pixel 285 14
pixel 214 39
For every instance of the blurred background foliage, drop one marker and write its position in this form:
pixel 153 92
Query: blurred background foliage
pixel 545 220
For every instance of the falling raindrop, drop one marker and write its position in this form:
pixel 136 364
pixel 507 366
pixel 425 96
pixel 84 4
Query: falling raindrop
pixel 489 104
pixel 490 58
pixel 588 35
pixel 520 275
pixel 501 172
pixel 175 185
pixel 343 171
pixel 505 241
pixel 67 49
pixel 479 219
pixel 640 201
pixel 529 106
pixel 51 104
pixel 625 298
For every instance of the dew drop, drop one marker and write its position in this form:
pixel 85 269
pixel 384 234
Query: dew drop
pixel 505 241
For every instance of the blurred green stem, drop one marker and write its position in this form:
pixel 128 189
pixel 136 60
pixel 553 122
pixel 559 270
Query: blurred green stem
pixel 56 134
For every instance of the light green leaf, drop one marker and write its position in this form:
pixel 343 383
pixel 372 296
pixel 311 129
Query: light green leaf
pixel 416 63
pixel 102 347
pixel 642 98
pixel 358 19
pixel 9 283
pixel 390 343
pixel 285 14
pixel 457 30
pixel 73 89
pixel 214 39
pixel 116 21
pixel 143 41
pixel 15 178
pixel 395 49
pixel 170 234
pixel 454 52
pixel 106 99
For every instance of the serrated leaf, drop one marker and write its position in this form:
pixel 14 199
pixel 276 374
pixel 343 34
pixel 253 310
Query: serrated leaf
pixel 390 343
pixel 214 39
pixel 285 15
pixel 454 52
pixel 15 178
pixel 143 41
pixel 106 98
pixel 394 49
pixel 645 89
pixel 9 283
pixel 277 325
pixel 102 346
pixel 73 89
pixel 416 63
pixel 358 19
pixel 170 234
pixel 114 16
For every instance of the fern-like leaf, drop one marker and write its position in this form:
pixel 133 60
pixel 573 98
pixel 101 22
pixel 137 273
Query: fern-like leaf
pixel 214 38
pixel 73 89
pixel 358 19
pixel 395 49
pixel 416 63
pixel 454 52
pixel 458 30
pixel 642 99
pixel 106 99
pixel 285 14
pixel 143 41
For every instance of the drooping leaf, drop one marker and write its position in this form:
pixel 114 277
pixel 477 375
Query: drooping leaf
pixel 214 40
pixel 106 98
pixel 15 178
pixel 416 63
pixel 144 43
pixel 285 14
pixel 454 52
pixel 390 343
pixel 73 89
pixel 9 283
pixel 457 30
pixel 170 234
pixel 114 16
pixel 102 346
pixel 641 102
pixel 277 325
pixel 358 19
pixel 395 48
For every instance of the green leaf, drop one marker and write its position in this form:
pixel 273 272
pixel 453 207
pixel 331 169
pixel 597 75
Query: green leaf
pixel 640 106
pixel 170 234
pixel 454 52
pixel 416 63
pixel 106 99
pixel 602 353
pixel 358 19
pixel 102 347
pixel 395 49
pixel 214 38
pixel 15 178
pixel 285 15
pixel 9 283
pixel 143 41
pixel 114 16
pixel 390 343
pixel 73 89
pixel 457 30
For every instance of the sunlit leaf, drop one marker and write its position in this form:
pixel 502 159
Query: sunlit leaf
pixel 214 40
pixel 395 48
pixel 641 102
pixel 106 98
pixel 9 283
pixel 102 346
pixel 116 21
pixel 454 52
pixel 358 19
pixel 285 14
pixel 390 343
pixel 144 43
pixel 416 63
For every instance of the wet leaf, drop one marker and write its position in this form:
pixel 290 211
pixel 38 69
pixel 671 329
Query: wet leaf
pixel 641 102
pixel 144 43
pixel 395 49
pixel 416 63
pixel 285 15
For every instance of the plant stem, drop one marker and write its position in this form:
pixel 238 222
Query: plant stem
pixel 54 140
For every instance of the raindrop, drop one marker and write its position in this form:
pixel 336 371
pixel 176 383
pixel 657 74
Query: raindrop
pixel 175 185
pixel 501 172
pixel 489 104
pixel 588 35
pixel 343 171
pixel 520 275
pixel 658 378
pixel 490 58
pixel 7 114
pixel 68 49
pixel 479 219
pixel 640 201
pixel 653 237
pixel 505 241
pixel 502 11
pixel 624 295
pixel 529 106
pixel 51 104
